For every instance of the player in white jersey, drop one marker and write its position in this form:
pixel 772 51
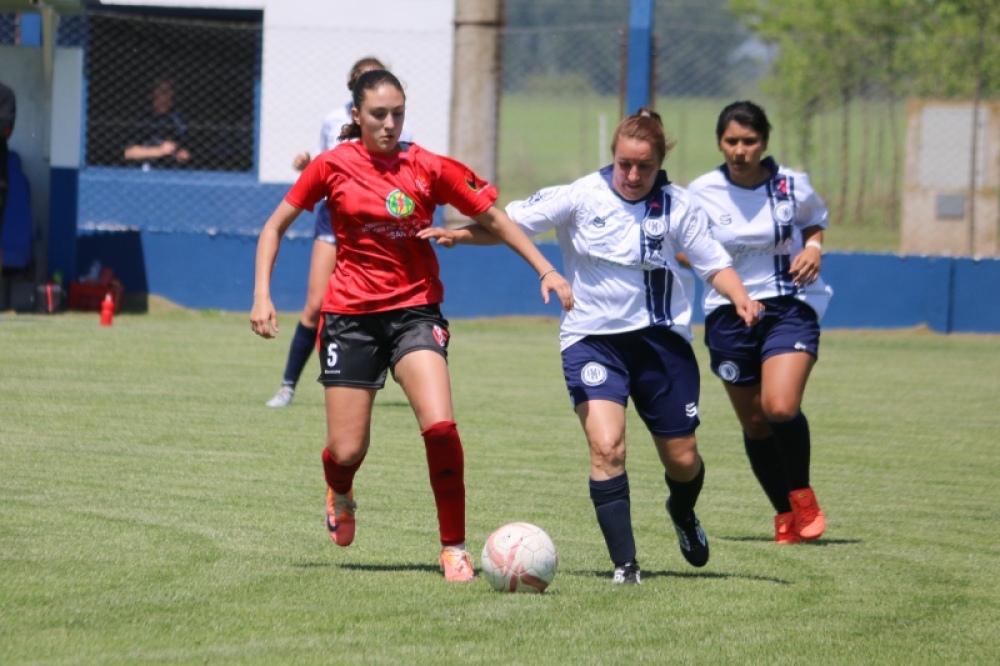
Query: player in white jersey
pixel 628 334
pixel 324 252
pixel 771 222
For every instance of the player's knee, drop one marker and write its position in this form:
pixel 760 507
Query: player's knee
pixel 779 411
pixel 608 454
pixel 344 454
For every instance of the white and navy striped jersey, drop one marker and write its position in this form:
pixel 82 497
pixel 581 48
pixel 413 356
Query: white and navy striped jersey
pixel 619 256
pixel 761 228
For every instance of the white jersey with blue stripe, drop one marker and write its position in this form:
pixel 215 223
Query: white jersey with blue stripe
pixel 761 228
pixel 619 256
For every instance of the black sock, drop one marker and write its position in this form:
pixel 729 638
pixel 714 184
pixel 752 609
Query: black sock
pixel 303 343
pixel 684 495
pixel 794 447
pixel 766 466
pixel 611 502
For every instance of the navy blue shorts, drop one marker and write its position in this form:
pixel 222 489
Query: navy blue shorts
pixel 323 229
pixel 654 365
pixel 357 350
pixel 737 352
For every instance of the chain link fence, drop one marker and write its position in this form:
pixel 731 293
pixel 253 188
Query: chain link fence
pixel 562 95
pixel 854 134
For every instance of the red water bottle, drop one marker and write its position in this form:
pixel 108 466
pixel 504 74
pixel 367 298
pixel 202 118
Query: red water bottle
pixel 107 310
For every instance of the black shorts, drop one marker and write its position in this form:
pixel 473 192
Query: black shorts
pixel 653 365
pixel 357 350
pixel 737 353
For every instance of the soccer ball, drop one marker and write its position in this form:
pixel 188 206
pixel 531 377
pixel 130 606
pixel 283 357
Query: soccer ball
pixel 519 557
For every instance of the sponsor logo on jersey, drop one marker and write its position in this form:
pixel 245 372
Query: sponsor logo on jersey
pixel 725 219
pixel 598 222
pixel 474 182
pixel 399 204
pixel 540 195
pixel 729 371
pixel 781 184
pixel 691 410
pixel 440 336
pixel 594 374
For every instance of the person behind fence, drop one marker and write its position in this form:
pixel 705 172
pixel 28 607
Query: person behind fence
pixel 158 135
pixel 381 310
pixel 628 335
pixel 8 113
pixel 771 221
pixel 324 250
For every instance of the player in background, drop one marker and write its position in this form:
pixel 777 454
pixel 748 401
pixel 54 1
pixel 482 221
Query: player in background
pixel 771 222
pixel 381 310
pixel 8 114
pixel 324 252
pixel 628 335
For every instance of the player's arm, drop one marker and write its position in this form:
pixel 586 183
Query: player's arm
pixel 728 283
pixel 806 264
pixel 471 234
pixel 496 222
pixel 263 318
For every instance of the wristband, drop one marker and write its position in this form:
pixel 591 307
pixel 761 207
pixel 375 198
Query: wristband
pixel 542 276
pixel 816 244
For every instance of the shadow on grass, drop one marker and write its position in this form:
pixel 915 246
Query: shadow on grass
pixel 808 544
pixel 700 575
pixel 369 567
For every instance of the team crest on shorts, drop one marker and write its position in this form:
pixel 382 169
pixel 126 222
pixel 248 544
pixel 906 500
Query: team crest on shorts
pixel 729 371
pixel 440 335
pixel 399 204
pixel 594 374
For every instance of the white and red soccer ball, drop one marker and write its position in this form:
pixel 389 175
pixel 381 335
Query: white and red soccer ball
pixel 519 557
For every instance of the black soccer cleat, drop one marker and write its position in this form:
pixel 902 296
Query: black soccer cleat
pixel 691 538
pixel 628 574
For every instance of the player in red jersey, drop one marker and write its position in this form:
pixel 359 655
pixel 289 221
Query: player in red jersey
pixel 381 310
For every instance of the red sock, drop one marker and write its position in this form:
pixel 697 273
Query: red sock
pixel 339 477
pixel 446 464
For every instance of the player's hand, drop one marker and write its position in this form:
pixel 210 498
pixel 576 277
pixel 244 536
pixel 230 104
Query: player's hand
pixel 440 235
pixel 554 282
pixel 301 161
pixel 805 266
pixel 750 311
pixel 264 319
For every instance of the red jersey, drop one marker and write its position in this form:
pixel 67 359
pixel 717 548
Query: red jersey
pixel 377 205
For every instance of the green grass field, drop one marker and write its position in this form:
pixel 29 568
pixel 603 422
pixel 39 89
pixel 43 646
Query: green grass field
pixel 153 511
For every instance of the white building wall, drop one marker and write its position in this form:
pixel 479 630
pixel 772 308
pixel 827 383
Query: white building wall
pixel 309 46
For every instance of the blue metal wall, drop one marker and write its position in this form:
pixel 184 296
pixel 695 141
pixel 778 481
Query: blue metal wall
pixel 215 271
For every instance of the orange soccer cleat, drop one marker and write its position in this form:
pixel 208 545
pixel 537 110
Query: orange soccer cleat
pixel 784 528
pixel 457 565
pixel 340 521
pixel 809 519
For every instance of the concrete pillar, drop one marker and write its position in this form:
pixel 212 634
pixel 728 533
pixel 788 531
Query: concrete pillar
pixel 476 82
